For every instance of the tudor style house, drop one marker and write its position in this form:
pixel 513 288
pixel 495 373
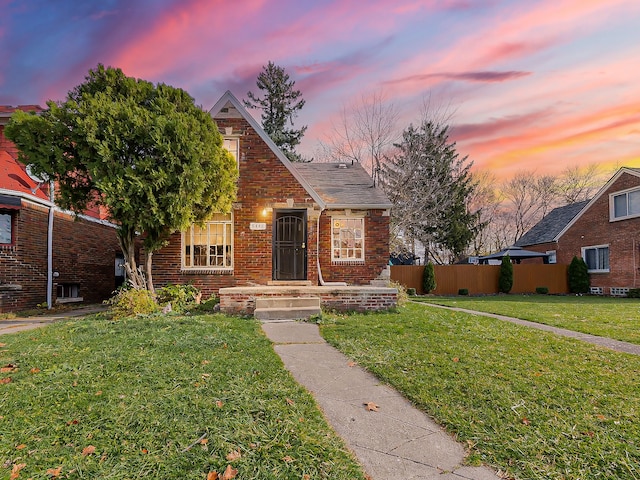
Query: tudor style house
pixel 604 231
pixel 292 223
pixel 48 255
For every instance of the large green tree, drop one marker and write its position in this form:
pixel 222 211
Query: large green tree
pixel 145 152
pixel 429 185
pixel 280 105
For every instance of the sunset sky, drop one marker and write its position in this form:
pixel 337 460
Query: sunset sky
pixel 533 85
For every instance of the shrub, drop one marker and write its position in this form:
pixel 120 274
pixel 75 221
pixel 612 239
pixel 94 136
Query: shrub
pixel 428 278
pixel 633 293
pixel 130 302
pixel 463 291
pixel 206 306
pixel 179 296
pixel 578 276
pixel 411 292
pixel 505 280
pixel 542 290
pixel 403 297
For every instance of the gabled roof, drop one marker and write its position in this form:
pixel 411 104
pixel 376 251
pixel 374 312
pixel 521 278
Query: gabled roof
pixel 343 185
pixel 227 101
pixel 631 171
pixel 551 225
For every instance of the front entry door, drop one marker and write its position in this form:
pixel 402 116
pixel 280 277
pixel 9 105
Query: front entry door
pixel 290 245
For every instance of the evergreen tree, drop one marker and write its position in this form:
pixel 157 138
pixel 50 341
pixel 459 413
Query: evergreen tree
pixel 578 276
pixel 279 106
pixel 145 152
pixel 429 278
pixel 505 280
pixel 428 184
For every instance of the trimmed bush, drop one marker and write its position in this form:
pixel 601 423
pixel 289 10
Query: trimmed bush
pixel 411 292
pixel 505 280
pixel 131 302
pixel 578 276
pixel 633 293
pixel 542 290
pixel 463 291
pixel 428 278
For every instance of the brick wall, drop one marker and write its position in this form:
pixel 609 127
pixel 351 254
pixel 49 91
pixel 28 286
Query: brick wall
pixel 264 182
pixel 83 253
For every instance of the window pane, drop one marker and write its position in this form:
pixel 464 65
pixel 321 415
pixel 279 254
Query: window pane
pixel 590 258
pixel 209 245
pixel 603 258
pixel 620 205
pixel 634 202
pixel 5 228
pixel 348 238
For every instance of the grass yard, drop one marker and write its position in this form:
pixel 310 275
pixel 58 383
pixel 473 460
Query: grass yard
pixel 617 318
pixel 165 397
pixel 528 402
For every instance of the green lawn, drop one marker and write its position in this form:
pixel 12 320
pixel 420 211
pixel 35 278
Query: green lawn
pixel 530 403
pixel 130 399
pixel 617 318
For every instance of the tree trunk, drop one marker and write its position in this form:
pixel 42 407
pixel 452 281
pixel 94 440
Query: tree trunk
pixel 148 259
pixel 127 238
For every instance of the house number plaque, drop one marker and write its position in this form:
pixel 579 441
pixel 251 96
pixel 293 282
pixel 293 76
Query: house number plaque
pixel 257 226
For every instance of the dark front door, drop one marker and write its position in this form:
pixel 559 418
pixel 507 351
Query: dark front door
pixel 290 245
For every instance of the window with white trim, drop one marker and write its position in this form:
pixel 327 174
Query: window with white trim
pixel 625 204
pixel 6 226
pixel 596 258
pixel 553 258
pixel 347 239
pixel 233 145
pixel 209 246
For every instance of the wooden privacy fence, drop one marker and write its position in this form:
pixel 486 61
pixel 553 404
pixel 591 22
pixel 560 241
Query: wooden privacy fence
pixel 483 279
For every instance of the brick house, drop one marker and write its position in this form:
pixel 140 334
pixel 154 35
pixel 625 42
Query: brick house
pixel 292 223
pixel 604 231
pixel 80 263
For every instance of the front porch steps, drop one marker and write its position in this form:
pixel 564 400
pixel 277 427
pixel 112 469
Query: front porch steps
pixel 286 308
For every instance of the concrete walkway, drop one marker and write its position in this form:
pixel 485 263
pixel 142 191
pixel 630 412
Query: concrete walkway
pixel 397 441
pixel 616 345
pixel 13 325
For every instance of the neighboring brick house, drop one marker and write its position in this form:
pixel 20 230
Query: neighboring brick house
pixel 604 231
pixel 292 223
pixel 84 251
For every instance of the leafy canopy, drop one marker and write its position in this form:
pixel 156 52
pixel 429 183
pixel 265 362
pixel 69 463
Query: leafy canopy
pixel 145 152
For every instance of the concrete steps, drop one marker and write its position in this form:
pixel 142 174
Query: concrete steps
pixel 286 308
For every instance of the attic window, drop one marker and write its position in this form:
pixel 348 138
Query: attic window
pixel 624 205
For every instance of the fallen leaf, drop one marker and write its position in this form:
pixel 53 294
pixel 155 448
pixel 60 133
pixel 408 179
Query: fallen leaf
pixel 290 402
pixel 600 417
pixel 288 459
pixel 3 345
pixel 103 457
pixel 352 364
pixel 526 421
pixel 456 359
pixel 54 472
pixel 219 403
pixel 5 380
pixel 253 445
pixel 15 471
pixel 98 393
pixel 144 451
pixel 88 450
pixel 229 473
pixel 21 446
pixel 73 422
pixel 204 441
pixel 206 362
pixel 234 455
pixel 371 407
pixel 306 476
pixel 212 475
pixel 34 370
pixel 206 375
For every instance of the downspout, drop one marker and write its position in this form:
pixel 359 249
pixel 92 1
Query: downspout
pixel 50 250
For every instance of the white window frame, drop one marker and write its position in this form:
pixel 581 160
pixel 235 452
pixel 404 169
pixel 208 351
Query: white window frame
pixel 68 293
pixel 597 247
pixel 612 208
pixel 188 241
pixel 339 234
pixel 232 144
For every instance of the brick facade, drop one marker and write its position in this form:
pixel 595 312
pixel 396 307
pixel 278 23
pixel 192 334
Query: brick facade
pixel 593 228
pixel 265 187
pixel 84 254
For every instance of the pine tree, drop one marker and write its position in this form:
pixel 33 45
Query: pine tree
pixel 429 278
pixel 279 106
pixel 505 280
pixel 578 276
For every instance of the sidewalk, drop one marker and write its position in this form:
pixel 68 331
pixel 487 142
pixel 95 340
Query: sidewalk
pixel 13 325
pixel 397 441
